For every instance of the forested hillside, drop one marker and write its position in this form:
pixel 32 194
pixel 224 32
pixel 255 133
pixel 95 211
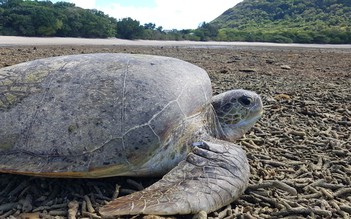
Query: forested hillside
pixel 63 19
pixel 43 18
pixel 312 21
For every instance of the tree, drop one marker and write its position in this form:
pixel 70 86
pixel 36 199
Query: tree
pixel 44 21
pixel 64 5
pixel 96 24
pixel 43 18
pixel 159 29
pixel 150 26
pixel 127 28
pixel 78 22
pixel 314 21
pixel 10 3
pixel 71 18
pixel 207 31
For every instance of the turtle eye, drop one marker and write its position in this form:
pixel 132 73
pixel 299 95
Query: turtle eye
pixel 245 100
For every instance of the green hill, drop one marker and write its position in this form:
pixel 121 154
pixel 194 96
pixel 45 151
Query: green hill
pixel 64 19
pixel 43 18
pixel 300 21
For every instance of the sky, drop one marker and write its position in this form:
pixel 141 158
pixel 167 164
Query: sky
pixel 170 14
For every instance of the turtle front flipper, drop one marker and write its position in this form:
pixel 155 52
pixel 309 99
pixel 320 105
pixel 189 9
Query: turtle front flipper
pixel 213 175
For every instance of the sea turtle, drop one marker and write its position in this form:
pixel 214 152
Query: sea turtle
pixel 106 114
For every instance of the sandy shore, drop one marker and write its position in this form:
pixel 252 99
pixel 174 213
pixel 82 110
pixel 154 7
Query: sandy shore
pixel 28 41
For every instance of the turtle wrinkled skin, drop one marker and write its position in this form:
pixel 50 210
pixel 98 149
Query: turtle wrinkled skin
pixel 103 115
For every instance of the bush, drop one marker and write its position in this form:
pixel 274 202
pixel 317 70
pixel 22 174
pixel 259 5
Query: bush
pixel 281 39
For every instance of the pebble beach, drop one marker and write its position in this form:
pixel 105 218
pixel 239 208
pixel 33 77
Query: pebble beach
pixel 299 152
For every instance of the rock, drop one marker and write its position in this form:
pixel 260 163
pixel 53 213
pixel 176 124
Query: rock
pixel 270 99
pixel 224 71
pixel 286 67
pixel 234 59
pixel 200 215
pixel 248 70
pixel 282 97
pixel 270 61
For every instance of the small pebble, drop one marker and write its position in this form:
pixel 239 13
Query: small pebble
pixel 200 215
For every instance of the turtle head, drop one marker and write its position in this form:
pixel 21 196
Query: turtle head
pixel 237 111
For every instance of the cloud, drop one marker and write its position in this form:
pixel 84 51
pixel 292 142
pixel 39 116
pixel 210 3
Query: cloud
pixel 190 13
pixel 170 14
pixel 88 4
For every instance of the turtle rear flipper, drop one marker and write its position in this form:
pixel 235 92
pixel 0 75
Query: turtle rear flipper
pixel 213 175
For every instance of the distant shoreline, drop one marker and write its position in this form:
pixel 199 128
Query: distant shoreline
pixel 55 41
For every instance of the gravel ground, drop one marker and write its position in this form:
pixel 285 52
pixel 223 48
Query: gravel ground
pixel 299 152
